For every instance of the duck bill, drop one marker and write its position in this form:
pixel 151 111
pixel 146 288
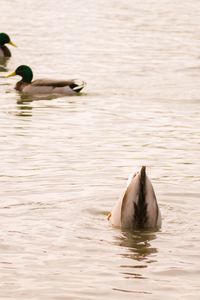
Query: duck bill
pixel 11 74
pixel 11 43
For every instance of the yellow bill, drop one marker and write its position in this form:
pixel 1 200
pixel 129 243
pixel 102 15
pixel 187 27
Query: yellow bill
pixel 11 43
pixel 11 74
pixel 109 216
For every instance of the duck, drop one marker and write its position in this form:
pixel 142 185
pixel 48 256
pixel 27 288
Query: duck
pixel 45 86
pixel 5 39
pixel 138 208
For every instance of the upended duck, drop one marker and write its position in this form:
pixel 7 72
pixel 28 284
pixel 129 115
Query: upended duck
pixel 138 208
pixel 5 39
pixel 45 86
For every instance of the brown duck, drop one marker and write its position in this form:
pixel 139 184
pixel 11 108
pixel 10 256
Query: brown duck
pixel 45 86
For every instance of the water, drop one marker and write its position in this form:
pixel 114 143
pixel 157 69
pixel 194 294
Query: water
pixel 65 161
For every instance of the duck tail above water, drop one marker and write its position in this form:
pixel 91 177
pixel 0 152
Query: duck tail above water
pixel 77 85
pixel 140 207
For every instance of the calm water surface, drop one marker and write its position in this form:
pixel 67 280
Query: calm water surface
pixel 65 161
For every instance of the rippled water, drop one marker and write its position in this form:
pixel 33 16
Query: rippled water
pixel 65 161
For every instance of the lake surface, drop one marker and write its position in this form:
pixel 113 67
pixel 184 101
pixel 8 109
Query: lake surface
pixel 65 161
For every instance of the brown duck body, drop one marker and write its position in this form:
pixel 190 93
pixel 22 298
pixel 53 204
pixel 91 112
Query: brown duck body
pixel 45 86
pixel 4 52
pixel 138 208
pixel 50 86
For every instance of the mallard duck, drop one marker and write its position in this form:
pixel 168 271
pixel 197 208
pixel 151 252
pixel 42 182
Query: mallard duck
pixel 138 208
pixel 5 39
pixel 45 86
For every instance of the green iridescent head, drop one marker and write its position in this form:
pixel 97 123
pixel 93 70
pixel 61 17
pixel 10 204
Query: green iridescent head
pixel 25 72
pixel 5 39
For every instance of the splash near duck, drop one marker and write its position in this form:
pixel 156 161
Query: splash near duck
pixel 45 86
pixel 138 208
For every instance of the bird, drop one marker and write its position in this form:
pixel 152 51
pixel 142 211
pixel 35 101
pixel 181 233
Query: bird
pixel 5 39
pixel 138 208
pixel 45 86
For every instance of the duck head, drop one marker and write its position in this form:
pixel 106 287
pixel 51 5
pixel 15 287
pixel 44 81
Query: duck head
pixel 5 39
pixel 25 72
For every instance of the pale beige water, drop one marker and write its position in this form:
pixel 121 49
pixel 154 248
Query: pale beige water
pixel 64 162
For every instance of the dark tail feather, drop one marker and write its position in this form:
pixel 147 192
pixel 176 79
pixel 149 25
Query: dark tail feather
pixel 77 87
pixel 140 216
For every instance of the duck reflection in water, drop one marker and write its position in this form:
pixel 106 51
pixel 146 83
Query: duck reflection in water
pixel 24 110
pixel 138 244
pixel 3 64
pixel 23 98
pixel 138 253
